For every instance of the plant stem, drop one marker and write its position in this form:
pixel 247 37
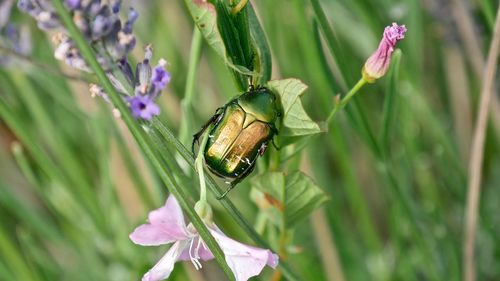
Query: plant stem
pixel 341 104
pixel 199 161
pixel 187 102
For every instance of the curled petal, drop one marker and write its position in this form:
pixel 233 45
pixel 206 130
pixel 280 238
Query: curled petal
pixel 165 265
pixel 245 261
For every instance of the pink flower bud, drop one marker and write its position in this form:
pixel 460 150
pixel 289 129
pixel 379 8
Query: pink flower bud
pixel 377 64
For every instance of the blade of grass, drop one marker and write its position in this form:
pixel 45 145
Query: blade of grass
pixel 259 38
pixel 135 175
pixel 390 96
pixel 13 258
pixel 330 38
pixel 187 102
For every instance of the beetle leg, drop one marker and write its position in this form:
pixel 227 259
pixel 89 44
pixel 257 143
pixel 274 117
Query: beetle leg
pixel 215 119
pixel 275 132
pixel 275 145
pixel 262 148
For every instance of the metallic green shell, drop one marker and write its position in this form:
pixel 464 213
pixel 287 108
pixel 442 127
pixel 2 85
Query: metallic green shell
pixel 247 123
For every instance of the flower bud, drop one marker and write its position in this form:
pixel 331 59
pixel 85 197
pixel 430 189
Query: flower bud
pixel 377 64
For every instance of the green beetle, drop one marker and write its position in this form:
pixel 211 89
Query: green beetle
pixel 241 131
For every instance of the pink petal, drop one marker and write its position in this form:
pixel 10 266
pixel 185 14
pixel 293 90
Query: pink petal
pixel 171 213
pixel 165 265
pixel 245 261
pixel 156 234
pixel 166 225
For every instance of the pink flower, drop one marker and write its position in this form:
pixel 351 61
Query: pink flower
pixel 378 63
pixel 166 225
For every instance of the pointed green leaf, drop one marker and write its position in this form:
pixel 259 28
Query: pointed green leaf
pixel 263 62
pixel 295 119
pixel 292 197
pixel 204 17
pixel 238 39
pixel 302 197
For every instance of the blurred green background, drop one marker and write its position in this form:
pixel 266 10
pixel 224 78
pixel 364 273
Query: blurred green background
pixel 73 184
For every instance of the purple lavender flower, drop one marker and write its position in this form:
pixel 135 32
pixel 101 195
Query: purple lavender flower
pixel 160 77
pixel 13 37
pixel 72 4
pixel 98 21
pixel 42 11
pixel 378 63
pixel 166 225
pixel 116 5
pixel 132 17
pixel 5 8
pixel 19 39
pixel 143 107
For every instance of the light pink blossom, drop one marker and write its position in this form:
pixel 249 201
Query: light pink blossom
pixel 166 225
pixel 377 64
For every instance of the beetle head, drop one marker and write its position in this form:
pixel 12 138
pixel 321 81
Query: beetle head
pixel 263 103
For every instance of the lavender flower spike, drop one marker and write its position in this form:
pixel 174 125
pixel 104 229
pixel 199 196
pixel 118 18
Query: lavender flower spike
pixel 377 64
pixel 166 225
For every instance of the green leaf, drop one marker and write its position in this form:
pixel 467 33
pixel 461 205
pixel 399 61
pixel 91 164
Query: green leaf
pixel 390 101
pixel 263 61
pixel 238 39
pixel 292 197
pixel 205 18
pixel 295 119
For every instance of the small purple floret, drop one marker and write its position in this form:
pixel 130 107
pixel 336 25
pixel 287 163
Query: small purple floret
pixel 143 107
pixel 115 6
pixel 73 4
pixel 132 15
pixel 160 77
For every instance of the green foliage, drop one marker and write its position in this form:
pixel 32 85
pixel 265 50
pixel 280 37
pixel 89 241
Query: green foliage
pixel 237 38
pixel 205 18
pixel 296 122
pixel 293 196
